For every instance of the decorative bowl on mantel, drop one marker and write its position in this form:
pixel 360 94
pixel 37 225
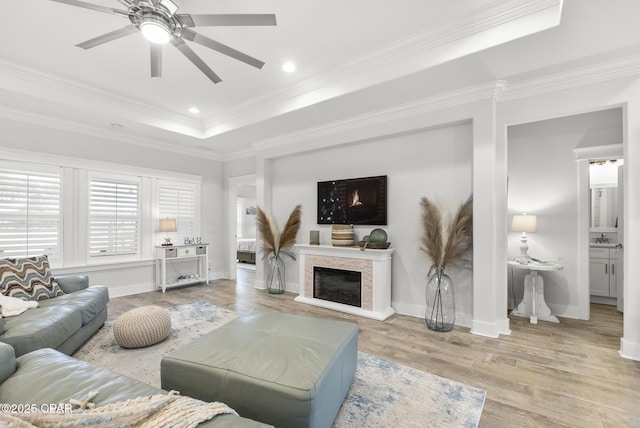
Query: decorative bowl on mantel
pixel 374 245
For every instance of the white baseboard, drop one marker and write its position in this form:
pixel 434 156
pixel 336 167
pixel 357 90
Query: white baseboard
pixel 629 350
pixel 604 300
pixel 409 309
pixel 485 329
pixel 565 311
pixel 218 275
pixel 130 289
pixel 418 311
pixel 293 288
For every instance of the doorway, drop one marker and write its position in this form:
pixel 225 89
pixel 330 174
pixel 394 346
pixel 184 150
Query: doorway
pixel 546 180
pixel 606 226
pixel 237 187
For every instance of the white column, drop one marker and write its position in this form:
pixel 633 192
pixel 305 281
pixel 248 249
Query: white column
pixel 264 200
pixel 489 208
pixel 630 342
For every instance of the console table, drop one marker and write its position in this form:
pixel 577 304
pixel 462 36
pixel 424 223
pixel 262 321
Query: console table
pixel 533 304
pixel 164 254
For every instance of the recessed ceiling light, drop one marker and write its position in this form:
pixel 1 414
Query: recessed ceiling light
pixel 194 110
pixel 116 125
pixel 289 67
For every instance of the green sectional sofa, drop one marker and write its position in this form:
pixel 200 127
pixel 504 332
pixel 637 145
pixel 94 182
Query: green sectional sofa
pixel 69 315
pixel 63 323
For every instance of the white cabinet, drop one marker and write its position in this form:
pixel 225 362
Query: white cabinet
pixel 198 253
pixel 603 266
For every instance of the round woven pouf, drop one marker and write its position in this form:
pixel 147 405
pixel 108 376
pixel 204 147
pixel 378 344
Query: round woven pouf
pixel 142 327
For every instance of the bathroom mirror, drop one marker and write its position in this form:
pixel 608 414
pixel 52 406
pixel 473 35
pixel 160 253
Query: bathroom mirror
pixel 604 208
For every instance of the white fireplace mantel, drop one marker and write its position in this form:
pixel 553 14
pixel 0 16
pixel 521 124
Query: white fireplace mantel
pixel 375 266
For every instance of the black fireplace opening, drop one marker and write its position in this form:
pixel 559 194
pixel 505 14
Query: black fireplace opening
pixel 337 285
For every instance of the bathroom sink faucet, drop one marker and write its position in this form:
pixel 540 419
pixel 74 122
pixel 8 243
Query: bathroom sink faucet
pixel 602 239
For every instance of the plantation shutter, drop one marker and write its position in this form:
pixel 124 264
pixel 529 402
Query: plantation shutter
pixel 239 217
pixel 179 202
pixel 113 217
pixel 30 218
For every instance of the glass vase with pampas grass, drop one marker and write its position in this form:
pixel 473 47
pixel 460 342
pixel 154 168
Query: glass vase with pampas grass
pixel 444 240
pixel 276 244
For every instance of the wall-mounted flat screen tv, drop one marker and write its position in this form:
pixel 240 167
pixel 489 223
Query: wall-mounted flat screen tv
pixel 353 201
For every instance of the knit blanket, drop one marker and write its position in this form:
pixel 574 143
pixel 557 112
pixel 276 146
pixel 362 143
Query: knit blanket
pixel 153 411
pixel 11 306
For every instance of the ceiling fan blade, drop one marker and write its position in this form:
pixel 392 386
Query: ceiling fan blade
pixel 92 6
pixel 195 59
pixel 156 60
pixel 113 35
pixel 127 3
pixel 224 49
pixel 169 5
pixel 226 19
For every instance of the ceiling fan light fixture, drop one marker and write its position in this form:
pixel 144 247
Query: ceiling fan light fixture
pixel 155 30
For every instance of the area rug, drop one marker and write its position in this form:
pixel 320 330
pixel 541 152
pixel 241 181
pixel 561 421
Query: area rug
pixel 383 393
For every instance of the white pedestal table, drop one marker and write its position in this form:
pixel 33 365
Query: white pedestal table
pixel 533 304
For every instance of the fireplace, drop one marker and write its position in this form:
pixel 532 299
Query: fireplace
pixel 337 285
pixel 350 280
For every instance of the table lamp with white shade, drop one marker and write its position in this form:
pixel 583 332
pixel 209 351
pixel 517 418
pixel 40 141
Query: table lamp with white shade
pixel 167 225
pixel 526 224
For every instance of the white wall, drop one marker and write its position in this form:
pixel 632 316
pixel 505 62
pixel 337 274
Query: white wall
pixel 434 163
pixel 543 180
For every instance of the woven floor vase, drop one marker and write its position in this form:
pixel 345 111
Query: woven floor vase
pixel 142 327
pixel 342 235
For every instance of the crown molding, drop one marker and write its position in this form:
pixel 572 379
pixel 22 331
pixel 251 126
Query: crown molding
pixel 239 154
pixel 35 83
pixel 48 159
pixel 411 54
pixel 98 132
pixel 595 73
pixel 483 92
pixel 599 152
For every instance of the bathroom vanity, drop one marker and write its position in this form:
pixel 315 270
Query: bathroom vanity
pixel 603 268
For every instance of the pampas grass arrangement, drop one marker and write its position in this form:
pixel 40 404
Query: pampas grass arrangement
pixel 444 240
pixel 276 243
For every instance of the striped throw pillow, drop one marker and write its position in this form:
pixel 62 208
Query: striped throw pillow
pixel 28 278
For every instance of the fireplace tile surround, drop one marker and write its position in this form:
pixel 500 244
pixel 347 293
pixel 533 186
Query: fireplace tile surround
pixel 374 265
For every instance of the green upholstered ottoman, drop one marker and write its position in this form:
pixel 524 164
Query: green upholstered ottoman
pixel 281 369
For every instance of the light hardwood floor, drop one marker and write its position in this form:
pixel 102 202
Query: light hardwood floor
pixel 544 375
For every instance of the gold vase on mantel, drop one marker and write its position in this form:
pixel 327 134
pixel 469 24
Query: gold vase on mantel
pixel 342 235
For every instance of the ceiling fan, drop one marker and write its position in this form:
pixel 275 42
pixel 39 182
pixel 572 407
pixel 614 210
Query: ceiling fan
pixel 160 24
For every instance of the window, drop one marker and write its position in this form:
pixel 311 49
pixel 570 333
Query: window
pixel 113 217
pixel 239 218
pixel 30 218
pixel 179 201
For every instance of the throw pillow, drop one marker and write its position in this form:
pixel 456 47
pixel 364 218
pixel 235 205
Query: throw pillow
pixel 28 278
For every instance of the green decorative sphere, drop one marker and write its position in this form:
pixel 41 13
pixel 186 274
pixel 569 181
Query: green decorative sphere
pixel 378 235
pixel 365 238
